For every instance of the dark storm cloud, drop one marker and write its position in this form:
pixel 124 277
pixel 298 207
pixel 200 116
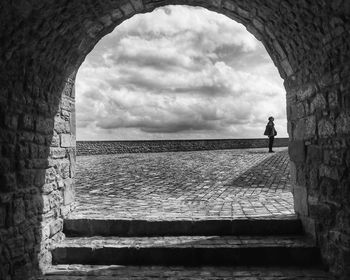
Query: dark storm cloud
pixel 157 126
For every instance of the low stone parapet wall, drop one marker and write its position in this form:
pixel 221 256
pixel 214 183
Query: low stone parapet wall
pixel 157 146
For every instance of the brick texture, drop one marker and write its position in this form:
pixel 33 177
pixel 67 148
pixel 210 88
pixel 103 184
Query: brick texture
pixel 43 44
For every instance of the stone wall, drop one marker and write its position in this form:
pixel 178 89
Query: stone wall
pixel 44 42
pixel 36 170
pixel 157 146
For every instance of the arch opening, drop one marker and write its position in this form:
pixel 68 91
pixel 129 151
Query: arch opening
pixel 179 73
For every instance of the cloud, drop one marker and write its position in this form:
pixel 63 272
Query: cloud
pixel 178 72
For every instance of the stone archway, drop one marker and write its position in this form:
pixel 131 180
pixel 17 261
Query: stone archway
pixel 45 42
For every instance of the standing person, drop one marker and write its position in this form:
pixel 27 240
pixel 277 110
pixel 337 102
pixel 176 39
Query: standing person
pixel 271 132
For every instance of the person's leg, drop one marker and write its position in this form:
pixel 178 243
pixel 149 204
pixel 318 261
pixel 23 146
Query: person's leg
pixel 271 138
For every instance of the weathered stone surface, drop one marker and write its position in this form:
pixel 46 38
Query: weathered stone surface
pixel 44 42
pixel 219 184
pixel 88 272
pixel 67 141
pixel 325 128
pixel 297 151
pixel 56 226
pixel 300 200
pixel 154 146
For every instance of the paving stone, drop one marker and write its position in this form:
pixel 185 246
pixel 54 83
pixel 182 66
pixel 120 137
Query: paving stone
pixel 223 184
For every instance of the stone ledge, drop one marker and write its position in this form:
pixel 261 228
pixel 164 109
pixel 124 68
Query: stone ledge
pixel 156 146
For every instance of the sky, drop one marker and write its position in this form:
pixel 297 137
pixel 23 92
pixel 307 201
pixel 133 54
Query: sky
pixel 178 73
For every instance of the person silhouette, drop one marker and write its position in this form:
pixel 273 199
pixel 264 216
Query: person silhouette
pixel 270 132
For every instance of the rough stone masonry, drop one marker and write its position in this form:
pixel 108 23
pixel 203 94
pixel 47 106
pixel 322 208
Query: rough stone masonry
pixel 44 42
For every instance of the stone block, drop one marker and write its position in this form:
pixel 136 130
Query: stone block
pixel 16 246
pixel 67 140
pixel 47 188
pixel 116 14
pixel 66 103
pixel 127 9
pixel 216 3
pixel 3 216
pixel 11 121
pixel 326 80
pixel 8 182
pixel 49 175
pixel 334 157
pixel 347 159
pixel 300 200
pixel 332 172
pixel 27 122
pixel 106 20
pixel 318 103
pixel 279 50
pixel 61 125
pixel 314 178
pixel 243 13
pixel 228 5
pixel 330 190
pixel 310 127
pixel 137 4
pixel 39 177
pixel 322 212
pixel 93 28
pixel 19 211
pixel 68 87
pixel 56 226
pixel 251 29
pixel 343 124
pixel 287 67
pixel 63 168
pixel 299 130
pixel 44 125
pixel 293 173
pixel 57 153
pixel 325 128
pixel 314 154
pixel 45 231
pixel 46 203
pixel 300 110
pixel 65 210
pixel 68 194
pixel 306 91
pixel 333 99
pixel 290 128
pixel 309 226
pixel 297 151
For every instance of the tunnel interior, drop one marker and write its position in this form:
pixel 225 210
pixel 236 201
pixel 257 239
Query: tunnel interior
pixel 45 42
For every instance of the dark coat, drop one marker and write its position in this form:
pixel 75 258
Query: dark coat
pixel 270 129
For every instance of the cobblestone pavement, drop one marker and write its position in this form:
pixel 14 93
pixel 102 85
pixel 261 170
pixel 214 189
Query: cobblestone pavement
pixel 75 272
pixel 247 183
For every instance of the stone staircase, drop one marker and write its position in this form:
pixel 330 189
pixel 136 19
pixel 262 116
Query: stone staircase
pixel 220 246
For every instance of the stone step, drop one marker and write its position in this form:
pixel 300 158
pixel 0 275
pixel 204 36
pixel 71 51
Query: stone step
pixel 188 250
pixel 98 272
pixel 93 227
